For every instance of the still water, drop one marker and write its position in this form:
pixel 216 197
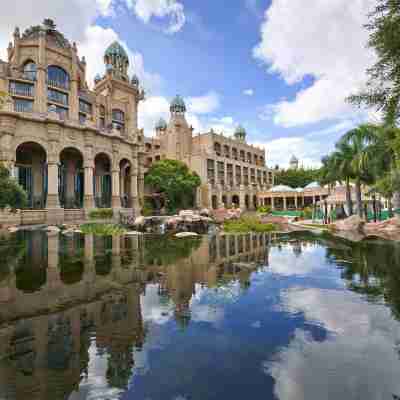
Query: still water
pixel 220 317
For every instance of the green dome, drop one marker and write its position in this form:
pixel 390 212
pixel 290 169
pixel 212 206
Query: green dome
pixel 178 105
pixel 161 124
pixel 240 132
pixel 116 50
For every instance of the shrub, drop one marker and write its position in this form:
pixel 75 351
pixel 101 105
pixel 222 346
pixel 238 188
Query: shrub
pixel 11 194
pixel 264 209
pixel 307 213
pixel 246 224
pixel 101 213
pixel 147 209
pixel 102 229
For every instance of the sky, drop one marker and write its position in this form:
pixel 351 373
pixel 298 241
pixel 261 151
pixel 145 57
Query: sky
pixel 280 68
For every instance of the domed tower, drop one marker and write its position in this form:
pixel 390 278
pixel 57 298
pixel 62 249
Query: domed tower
pixel 294 162
pixel 161 126
pixel 117 61
pixel 240 134
pixel 178 106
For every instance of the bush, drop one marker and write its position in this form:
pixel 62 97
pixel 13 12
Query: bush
pixel 307 213
pixel 101 213
pixel 244 225
pixel 11 194
pixel 147 209
pixel 264 209
pixel 102 229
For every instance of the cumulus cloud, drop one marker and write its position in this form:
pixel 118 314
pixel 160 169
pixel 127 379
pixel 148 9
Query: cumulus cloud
pixel 330 49
pixel 359 358
pixel 248 92
pixel 203 104
pixel 171 9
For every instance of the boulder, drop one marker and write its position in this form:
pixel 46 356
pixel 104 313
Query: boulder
pixel 353 223
pixel 133 233
pixel 186 234
pixel 140 221
pixel 205 212
pixel 13 229
pixel 52 229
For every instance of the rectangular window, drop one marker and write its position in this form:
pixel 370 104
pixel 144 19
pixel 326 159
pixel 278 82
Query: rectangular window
pixel 82 119
pixel 22 105
pixel 57 97
pixel 21 89
pixel 61 111
pixel 85 107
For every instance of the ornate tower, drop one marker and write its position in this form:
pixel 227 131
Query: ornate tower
pixel 117 61
pixel 161 127
pixel 294 162
pixel 240 134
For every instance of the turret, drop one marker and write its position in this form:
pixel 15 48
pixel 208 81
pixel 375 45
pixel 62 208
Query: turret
pixel 294 162
pixel 117 61
pixel 240 133
pixel 161 126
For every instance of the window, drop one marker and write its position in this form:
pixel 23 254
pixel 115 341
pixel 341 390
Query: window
pixel 21 89
pixel 242 156
pixel 57 97
pixel 118 120
pixel 29 71
pixel 249 157
pixel 234 153
pixel 57 77
pixel 85 107
pixel 22 105
pixel 82 118
pixel 61 111
pixel 217 148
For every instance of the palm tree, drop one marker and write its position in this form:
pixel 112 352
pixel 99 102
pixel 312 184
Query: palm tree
pixel 360 144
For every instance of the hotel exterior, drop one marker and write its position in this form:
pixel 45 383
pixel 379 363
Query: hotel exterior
pixel 74 149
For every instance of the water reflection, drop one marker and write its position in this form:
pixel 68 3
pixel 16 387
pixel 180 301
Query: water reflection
pixel 71 307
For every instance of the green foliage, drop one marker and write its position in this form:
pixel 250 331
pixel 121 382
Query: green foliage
pixel 264 209
pixel 102 229
pixel 247 224
pixel 147 209
pixel 11 194
pixel 101 213
pixel 383 87
pixel 295 178
pixel 307 213
pixel 173 178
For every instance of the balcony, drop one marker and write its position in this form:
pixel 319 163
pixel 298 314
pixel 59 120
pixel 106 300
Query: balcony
pixel 57 97
pixel 25 106
pixel 21 89
pixel 58 84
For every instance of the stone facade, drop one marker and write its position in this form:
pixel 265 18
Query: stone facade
pixel 75 148
pixel 232 172
pixel 69 147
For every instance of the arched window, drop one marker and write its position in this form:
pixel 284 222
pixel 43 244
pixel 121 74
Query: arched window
pixel 217 148
pixel 58 77
pixel 29 71
pixel 118 119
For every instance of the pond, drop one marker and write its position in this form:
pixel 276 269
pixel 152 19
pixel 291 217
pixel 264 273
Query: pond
pixel 258 316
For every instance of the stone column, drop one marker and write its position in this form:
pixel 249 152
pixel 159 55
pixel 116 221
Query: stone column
pixel 40 103
pixel 116 199
pixel 284 203
pixel 52 191
pixel 88 200
pixel 295 202
pixel 272 203
pixel 134 187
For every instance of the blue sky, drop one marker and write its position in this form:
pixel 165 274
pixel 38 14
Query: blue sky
pixel 279 67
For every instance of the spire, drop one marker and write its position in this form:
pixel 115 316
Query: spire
pixel 116 60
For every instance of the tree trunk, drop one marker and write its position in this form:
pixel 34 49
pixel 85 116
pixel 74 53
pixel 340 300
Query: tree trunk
pixel 390 208
pixel 349 201
pixel 374 205
pixel 359 198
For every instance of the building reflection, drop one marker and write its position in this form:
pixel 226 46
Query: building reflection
pixel 65 294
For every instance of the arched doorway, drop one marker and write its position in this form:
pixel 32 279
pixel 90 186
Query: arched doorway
pixel 71 178
pixel 125 168
pixel 235 201
pixel 247 201
pixel 31 173
pixel 224 201
pixel 102 181
pixel 255 202
pixel 214 202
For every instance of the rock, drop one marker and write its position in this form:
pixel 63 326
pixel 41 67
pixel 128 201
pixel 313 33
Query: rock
pixel 186 234
pixel 77 231
pixel 353 223
pixel 186 213
pixel 52 229
pixel 140 221
pixel 133 233
pixel 205 212
pixel 13 229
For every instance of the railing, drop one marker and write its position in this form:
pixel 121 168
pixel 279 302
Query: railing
pixel 22 90
pixel 57 97
pixel 25 106
pixel 85 107
pixel 58 84
pixel 29 76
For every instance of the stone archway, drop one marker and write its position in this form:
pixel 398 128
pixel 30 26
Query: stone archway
pixel 255 202
pixel 125 168
pixel 247 201
pixel 236 201
pixel 214 202
pixel 31 172
pixel 71 178
pixel 102 181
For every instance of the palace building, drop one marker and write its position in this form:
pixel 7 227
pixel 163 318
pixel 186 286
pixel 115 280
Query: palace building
pixel 73 148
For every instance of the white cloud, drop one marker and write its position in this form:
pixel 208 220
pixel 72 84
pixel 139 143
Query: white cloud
pixel 359 359
pixel 148 9
pixel 330 48
pixel 248 92
pixel 203 104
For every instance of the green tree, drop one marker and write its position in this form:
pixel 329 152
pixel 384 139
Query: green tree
pixel 295 178
pixel 11 194
pixel 175 180
pixel 383 87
